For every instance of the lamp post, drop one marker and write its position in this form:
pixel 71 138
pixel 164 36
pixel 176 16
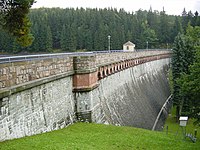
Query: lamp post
pixel 147 45
pixel 167 46
pixel 109 43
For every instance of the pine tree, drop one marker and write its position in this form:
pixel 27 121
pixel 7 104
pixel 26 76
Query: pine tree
pixel 88 42
pixel 63 41
pixel 196 19
pixel 189 87
pixel 71 38
pixel 183 56
pixel 177 28
pixel 164 29
pixel 89 29
pixel 49 41
pixel 5 42
pixel 14 19
pixel 149 36
pixel 35 30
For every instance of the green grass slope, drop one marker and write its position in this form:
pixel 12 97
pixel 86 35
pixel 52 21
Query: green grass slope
pixel 86 136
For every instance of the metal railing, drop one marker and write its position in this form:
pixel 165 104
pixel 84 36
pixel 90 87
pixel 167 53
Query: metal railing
pixel 61 55
pixel 40 56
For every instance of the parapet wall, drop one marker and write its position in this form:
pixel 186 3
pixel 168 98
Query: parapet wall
pixel 109 58
pixel 17 73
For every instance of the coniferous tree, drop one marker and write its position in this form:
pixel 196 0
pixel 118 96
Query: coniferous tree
pixel 148 35
pixel 164 29
pixel 88 29
pixel 183 57
pixel 48 39
pixel 153 20
pixel 14 19
pixel 177 28
pixel 185 19
pixel 63 41
pixel 189 87
pixel 71 38
pixel 189 82
pixel 35 46
pixel 16 48
pixel 88 45
pixel 196 19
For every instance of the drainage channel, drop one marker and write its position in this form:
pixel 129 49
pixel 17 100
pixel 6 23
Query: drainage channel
pixel 163 107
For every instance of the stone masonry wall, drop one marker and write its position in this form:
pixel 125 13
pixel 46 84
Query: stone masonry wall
pixel 109 58
pixel 40 109
pixel 16 73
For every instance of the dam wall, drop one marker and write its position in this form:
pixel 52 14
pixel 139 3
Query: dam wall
pixel 40 109
pixel 122 88
pixel 132 97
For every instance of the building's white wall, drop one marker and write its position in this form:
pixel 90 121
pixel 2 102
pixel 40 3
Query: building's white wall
pixel 130 48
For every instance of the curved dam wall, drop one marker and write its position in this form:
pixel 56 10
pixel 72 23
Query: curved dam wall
pixel 132 97
pixel 122 88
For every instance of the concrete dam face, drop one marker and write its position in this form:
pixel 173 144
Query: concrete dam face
pixel 126 89
pixel 132 97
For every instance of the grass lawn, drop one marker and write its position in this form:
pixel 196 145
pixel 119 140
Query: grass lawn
pixel 97 136
pixel 174 128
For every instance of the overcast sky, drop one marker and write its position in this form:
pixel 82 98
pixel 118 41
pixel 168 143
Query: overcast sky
pixel 171 6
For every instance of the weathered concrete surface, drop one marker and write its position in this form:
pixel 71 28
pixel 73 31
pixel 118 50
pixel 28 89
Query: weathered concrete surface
pixel 132 97
pixel 40 109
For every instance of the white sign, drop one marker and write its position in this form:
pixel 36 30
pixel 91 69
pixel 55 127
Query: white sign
pixel 183 121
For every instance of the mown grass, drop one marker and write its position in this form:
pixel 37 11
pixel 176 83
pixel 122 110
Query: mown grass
pixel 175 129
pixel 86 136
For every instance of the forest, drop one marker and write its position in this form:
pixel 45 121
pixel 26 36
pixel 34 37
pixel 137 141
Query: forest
pixel 67 30
pixel 186 73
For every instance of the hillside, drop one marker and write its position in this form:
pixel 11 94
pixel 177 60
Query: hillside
pixel 98 136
